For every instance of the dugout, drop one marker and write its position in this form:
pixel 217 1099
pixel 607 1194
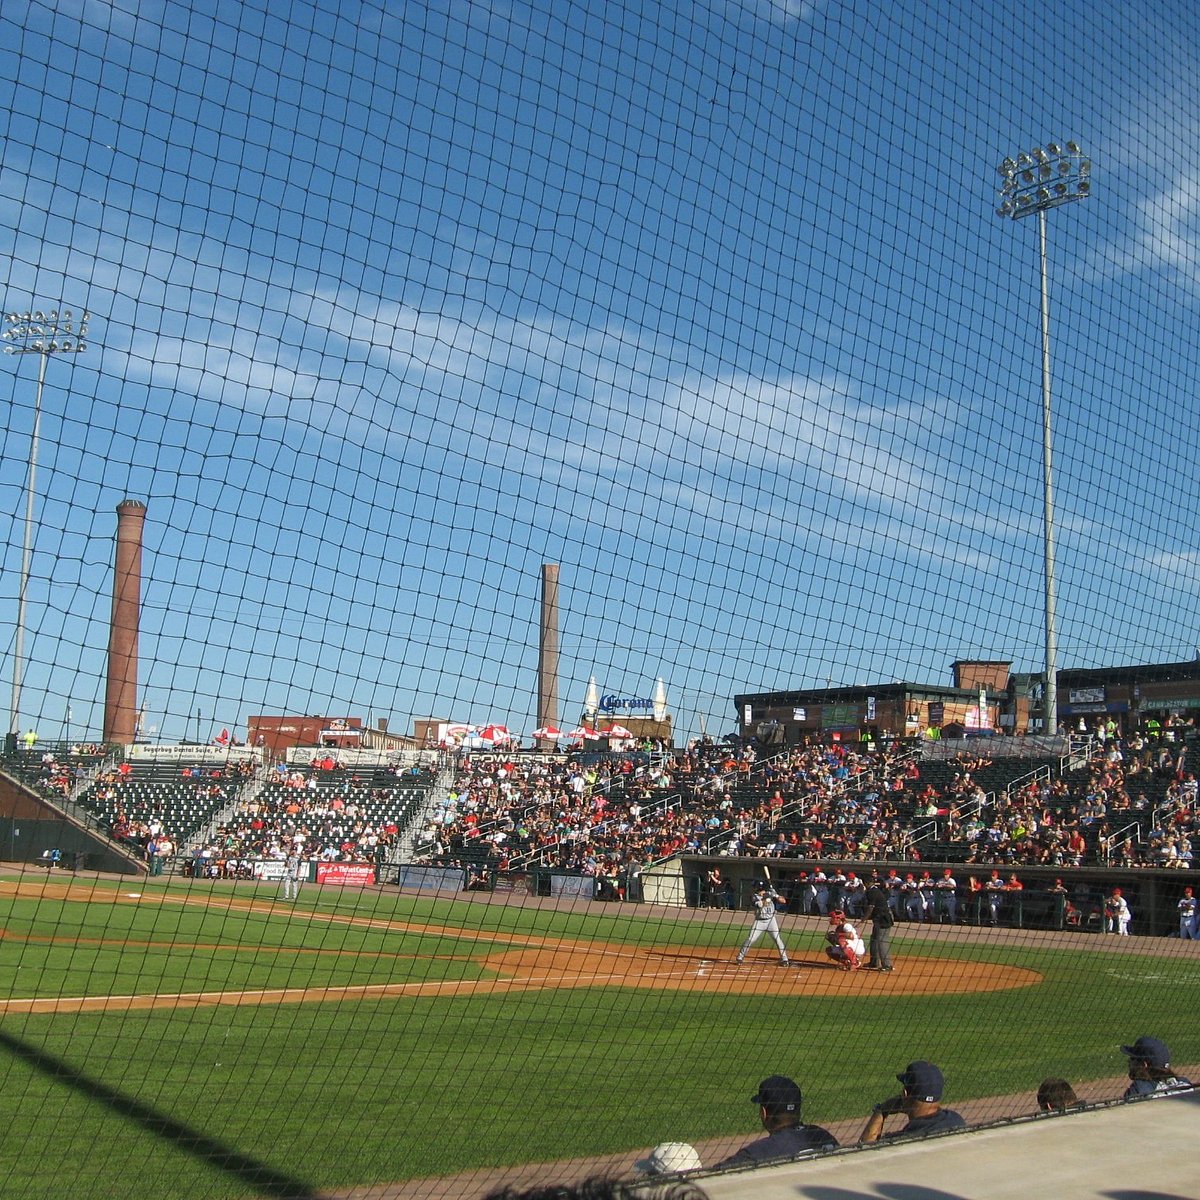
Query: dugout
pixel 1152 893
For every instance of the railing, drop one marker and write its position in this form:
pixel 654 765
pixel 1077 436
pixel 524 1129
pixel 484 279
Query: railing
pixel 88 779
pixel 405 849
pixel 920 834
pixel 246 794
pixel 1034 776
pixel 1080 752
pixel 1117 836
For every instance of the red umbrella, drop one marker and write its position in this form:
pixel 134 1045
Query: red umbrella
pixel 548 732
pixel 617 731
pixel 498 735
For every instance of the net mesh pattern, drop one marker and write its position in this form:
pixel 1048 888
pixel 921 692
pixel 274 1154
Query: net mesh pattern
pixel 710 307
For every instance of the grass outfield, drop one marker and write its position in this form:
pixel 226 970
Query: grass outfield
pixel 281 1095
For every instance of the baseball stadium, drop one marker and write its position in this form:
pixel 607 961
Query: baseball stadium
pixel 600 600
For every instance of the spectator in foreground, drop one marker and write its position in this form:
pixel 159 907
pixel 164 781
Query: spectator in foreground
pixel 669 1158
pixel 920 1102
pixel 1056 1096
pixel 779 1103
pixel 1150 1071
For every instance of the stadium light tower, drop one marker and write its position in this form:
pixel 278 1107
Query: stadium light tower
pixel 43 333
pixel 1035 182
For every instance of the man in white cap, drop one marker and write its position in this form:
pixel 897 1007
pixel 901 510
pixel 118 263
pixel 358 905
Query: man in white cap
pixel 669 1158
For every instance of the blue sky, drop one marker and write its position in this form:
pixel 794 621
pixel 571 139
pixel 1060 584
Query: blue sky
pixel 709 304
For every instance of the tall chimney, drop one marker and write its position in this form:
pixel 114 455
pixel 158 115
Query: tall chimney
pixel 120 695
pixel 547 711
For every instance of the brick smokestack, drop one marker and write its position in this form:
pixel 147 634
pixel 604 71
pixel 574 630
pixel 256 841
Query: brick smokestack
pixel 120 696
pixel 547 712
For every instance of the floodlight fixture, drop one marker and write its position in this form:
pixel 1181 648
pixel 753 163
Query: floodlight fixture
pixel 1025 192
pixel 46 333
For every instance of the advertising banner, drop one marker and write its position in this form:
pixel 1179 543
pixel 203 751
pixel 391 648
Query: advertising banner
pixel 216 755
pixel 572 885
pixel 433 879
pixel 359 874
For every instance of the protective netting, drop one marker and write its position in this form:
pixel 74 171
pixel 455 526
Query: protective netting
pixel 708 306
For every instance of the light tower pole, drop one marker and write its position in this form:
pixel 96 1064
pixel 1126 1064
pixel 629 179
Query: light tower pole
pixel 43 334
pixel 1035 182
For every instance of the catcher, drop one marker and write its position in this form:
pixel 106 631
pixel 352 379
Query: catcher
pixel 846 946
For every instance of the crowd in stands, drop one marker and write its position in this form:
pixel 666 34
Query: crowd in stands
pixel 324 813
pixel 1133 804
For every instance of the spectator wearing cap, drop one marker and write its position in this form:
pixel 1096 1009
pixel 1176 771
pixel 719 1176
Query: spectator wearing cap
pixel 920 1101
pixel 1150 1071
pixel 779 1105
pixel 669 1158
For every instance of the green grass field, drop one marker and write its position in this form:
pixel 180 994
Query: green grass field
pixel 275 1098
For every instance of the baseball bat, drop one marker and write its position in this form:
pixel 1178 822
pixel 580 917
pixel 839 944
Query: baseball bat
pixel 770 881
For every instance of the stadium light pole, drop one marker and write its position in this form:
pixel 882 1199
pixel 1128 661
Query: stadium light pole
pixel 1035 182
pixel 44 333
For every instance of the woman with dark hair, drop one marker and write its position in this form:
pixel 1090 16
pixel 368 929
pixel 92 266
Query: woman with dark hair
pixel 1056 1095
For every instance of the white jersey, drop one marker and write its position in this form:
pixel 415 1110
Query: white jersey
pixel 852 936
pixel 764 906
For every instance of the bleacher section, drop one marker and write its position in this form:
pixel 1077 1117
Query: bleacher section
pixel 218 806
pixel 955 805
pixel 603 814
pixel 140 798
pixel 333 814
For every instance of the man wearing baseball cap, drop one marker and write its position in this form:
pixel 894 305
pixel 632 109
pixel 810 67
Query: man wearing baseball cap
pixel 779 1100
pixel 920 1101
pixel 669 1158
pixel 1150 1071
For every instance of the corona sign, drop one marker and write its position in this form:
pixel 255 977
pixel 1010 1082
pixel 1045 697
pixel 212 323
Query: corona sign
pixel 614 703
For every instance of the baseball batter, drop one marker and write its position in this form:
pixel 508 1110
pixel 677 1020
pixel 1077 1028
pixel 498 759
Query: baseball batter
pixel 765 900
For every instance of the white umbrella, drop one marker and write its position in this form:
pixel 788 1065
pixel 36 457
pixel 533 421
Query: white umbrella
pixel 617 731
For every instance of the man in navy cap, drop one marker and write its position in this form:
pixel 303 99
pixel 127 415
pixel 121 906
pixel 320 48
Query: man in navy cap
pixel 920 1101
pixel 1150 1071
pixel 778 1099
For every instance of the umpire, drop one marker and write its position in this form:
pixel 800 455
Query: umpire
pixel 875 909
